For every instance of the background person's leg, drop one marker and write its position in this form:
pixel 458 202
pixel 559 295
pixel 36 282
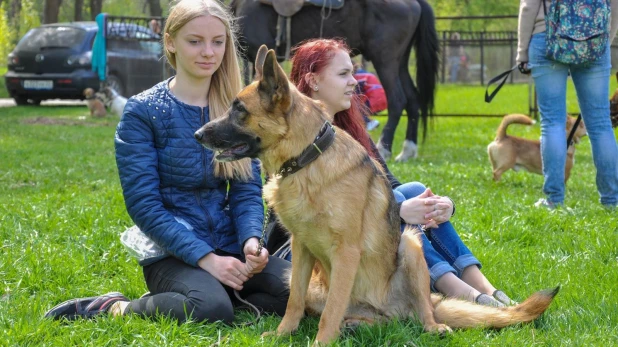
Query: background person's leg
pixel 592 86
pixel 550 81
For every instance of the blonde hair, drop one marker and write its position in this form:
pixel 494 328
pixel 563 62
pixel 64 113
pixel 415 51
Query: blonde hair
pixel 226 81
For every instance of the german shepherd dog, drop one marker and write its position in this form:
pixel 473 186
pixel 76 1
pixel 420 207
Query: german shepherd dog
pixel 350 262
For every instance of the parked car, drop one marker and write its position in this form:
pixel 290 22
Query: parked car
pixel 53 61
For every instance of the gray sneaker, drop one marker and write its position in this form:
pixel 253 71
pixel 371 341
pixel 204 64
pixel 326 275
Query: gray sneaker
pixel 546 204
pixel 486 300
pixel 503 298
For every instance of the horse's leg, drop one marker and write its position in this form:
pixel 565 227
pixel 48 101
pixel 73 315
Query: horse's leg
pixel 389 76
pixel 410 149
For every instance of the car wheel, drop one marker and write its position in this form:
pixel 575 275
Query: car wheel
pixel 115 82
pixel 24 101
pixel 21 100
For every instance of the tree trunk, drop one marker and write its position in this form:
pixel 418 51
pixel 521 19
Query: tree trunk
pixel 13 10
pixel 79 9
pixel 155 8
pixel 95 8
pixel 51 10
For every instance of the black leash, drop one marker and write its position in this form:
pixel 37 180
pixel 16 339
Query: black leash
pixel 503 76
pixel 570 138
pixel 247 304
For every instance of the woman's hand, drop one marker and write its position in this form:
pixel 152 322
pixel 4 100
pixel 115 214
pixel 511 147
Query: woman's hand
pixel 442 212
pixel 227 270
pixel 426 209
pixel 255 262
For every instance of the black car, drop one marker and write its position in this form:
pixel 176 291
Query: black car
pixel 53 61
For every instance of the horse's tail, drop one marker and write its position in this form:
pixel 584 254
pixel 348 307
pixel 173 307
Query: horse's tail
pixel 427 48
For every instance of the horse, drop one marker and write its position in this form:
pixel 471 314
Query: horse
pixel 383 32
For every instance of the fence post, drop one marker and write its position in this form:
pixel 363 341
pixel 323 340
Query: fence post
pixel 511 53
pixel 443 56
pixel 533 108
pixel 482 59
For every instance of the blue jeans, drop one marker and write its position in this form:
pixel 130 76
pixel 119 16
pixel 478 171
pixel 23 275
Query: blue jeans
pixel 443 248
pixel 454 67
pixel 592 86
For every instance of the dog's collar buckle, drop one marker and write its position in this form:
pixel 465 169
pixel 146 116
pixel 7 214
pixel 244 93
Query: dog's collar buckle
pixel 323 140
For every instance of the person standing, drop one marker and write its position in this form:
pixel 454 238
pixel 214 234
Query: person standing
pixel 591 80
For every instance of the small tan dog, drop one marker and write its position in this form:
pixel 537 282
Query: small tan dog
pixel 510 152
pixel 96 107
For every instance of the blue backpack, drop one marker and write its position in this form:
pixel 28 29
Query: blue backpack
pixel 577 31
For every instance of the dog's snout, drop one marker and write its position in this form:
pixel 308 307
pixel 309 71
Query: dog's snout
pixel 199 135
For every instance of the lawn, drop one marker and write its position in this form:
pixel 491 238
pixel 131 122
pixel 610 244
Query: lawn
pixel 61 213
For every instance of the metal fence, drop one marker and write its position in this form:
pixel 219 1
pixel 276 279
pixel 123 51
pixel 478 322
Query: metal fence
pixel 481 55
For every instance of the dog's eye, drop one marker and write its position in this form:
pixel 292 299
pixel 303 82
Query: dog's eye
pixel 241 108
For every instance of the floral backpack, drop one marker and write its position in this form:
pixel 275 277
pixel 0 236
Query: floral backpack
pixel 577 31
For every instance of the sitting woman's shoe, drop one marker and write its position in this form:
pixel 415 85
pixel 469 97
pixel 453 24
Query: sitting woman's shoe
pixel 486 300
pixel 85 307
pixel 503 298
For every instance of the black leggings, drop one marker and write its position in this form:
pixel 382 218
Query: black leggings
pixel 182 291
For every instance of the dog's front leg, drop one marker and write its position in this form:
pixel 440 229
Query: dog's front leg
pixel 302 266
pixel 345 261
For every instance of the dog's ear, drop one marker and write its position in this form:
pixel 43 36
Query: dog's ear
pixel 274 85
pixel 259 61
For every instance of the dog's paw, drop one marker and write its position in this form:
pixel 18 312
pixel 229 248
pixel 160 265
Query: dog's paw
pixel 440 329
pixel 270 334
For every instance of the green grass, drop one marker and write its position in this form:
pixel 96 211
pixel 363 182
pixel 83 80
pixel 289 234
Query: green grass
pixel 61 212
pixel 4 93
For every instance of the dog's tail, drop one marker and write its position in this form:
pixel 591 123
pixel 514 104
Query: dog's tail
pixel 510 119
pixel 464 314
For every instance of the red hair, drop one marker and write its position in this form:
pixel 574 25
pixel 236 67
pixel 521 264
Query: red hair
pixel 313 56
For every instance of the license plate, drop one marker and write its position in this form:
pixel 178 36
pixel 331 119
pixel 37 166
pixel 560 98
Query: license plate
pixel 40 84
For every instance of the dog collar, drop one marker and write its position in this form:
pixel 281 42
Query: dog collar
pixel 323 140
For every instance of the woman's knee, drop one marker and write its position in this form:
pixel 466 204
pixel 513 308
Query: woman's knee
pixel 410 189
pixel 208 310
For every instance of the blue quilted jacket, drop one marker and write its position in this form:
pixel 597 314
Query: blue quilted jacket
pixel 168 181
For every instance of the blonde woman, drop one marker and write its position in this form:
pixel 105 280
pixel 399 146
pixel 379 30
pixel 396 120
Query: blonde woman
pixel 205 217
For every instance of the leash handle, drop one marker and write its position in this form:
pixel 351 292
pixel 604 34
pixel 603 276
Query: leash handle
pixel 573 130
pixel 503 76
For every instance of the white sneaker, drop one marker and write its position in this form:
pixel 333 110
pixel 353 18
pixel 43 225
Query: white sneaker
pixel 372 125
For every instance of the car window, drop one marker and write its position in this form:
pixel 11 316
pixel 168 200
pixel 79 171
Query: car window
pixel 119 45
pixel 151 47
pixel 54 37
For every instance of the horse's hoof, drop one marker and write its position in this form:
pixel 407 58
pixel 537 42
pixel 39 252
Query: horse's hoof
pixel 384 153
pixel 409 151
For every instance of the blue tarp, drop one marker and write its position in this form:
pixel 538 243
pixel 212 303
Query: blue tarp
pixel 99 52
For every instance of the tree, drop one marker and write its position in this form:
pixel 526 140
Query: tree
pixel 95 8
pixel 51 10
pixel 79 8
pixel 155 8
